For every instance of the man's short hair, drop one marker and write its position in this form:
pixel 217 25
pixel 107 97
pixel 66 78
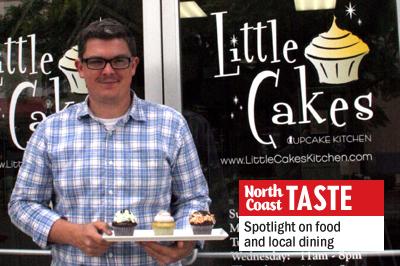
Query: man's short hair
pixel 105 29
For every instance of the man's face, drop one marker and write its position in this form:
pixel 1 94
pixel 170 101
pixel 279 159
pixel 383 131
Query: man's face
pixel 107 84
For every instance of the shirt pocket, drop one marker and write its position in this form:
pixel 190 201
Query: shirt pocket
pixel 147 175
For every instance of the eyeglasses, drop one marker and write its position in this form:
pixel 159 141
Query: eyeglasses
pixel 97 63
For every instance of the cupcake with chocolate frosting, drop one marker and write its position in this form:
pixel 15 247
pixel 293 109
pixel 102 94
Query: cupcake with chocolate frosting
pixel 202 222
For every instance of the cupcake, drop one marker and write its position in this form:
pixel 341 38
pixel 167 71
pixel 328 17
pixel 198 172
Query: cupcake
pixel 202 222
pixel 163 224
pixel 124 223
pixel 67 66
pixel 336 55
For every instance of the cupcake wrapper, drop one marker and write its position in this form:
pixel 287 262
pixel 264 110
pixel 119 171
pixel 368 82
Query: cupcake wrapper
pixel 163 231
pixel 124 231
pixel 202 229
pixel 337 71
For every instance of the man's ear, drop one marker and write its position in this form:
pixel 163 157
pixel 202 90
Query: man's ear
pixel 79 67
pixel 134 64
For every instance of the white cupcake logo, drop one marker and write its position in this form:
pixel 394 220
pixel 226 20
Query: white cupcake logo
pixel 336 55
pixel 67 66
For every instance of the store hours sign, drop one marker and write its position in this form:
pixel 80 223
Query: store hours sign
pixel 336 55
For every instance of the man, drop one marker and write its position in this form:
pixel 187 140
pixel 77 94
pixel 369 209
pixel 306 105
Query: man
pixel 112 152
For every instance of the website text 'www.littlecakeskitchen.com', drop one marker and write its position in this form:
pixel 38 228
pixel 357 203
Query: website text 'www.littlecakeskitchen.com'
pixel 289 159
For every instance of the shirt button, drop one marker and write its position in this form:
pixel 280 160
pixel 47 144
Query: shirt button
pixel 110 162
pixel 110 192
pixel 110 255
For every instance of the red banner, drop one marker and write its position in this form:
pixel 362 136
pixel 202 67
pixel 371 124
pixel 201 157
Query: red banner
pixel 311 198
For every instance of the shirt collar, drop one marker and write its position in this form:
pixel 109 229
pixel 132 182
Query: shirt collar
pixel 136 110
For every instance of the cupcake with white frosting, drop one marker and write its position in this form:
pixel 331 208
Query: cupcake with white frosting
pixel 163 224
pixel 124 223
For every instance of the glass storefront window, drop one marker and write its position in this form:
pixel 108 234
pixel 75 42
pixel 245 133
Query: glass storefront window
pixel 245 126
pixel 248 126
pixel 36 80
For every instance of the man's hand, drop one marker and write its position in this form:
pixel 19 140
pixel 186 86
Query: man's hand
pixel 165 255
pixel 89 239
pixel 86 237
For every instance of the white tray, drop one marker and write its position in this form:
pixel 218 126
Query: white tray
pixel 179 234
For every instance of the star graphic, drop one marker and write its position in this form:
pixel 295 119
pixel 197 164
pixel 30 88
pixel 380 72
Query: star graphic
pixel 351 10
pixel 234 41
pixel 235 100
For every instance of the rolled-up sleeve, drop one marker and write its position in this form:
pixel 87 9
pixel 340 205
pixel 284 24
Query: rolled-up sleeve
pixel 29 203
